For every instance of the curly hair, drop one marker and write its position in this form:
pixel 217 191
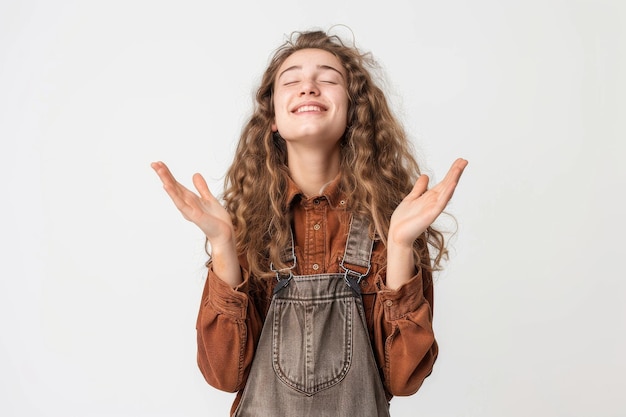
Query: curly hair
pixel 377 165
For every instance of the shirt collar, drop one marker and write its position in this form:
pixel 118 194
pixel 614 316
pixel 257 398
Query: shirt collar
pixel 330 190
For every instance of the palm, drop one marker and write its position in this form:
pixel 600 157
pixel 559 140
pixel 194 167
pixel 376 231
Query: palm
pixel 421 207
pixel 202 209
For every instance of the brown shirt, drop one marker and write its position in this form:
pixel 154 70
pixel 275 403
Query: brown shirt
pixel 399 321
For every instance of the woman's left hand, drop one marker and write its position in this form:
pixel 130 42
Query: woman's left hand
pixel 421 207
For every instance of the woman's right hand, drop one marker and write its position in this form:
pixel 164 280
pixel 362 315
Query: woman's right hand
pixel 204 210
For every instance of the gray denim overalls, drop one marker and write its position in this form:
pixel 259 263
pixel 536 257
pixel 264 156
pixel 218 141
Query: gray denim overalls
pixel 314 356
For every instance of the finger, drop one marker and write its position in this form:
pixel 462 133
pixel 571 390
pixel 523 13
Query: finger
pixel 420 187
pixel 175 190
pixel 203 189
pixel 181 196
pixel 164 173
pixel 447 186
pixel 171 186
pixel 455 171
pixel 453 175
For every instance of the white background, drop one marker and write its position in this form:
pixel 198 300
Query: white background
pixel 100 277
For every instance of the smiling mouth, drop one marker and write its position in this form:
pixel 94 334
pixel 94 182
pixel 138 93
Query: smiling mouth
pixel 308 109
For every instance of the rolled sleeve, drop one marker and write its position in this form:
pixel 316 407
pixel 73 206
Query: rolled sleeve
pixel 404 341
pixel 232 302
pixel 402 301
pixel 228 327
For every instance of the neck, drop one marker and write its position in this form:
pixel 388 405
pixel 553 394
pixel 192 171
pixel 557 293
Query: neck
pixel 311 170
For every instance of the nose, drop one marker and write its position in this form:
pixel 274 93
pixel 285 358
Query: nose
pixel 309 87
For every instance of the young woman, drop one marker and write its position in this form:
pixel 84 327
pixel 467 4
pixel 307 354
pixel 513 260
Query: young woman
pixel 319 294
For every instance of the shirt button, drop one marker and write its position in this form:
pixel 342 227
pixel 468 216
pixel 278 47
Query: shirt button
pixel 388 303
pixel 317 226
pixel 316 267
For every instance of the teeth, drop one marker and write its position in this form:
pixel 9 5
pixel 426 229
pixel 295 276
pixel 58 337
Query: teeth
pixel 308 108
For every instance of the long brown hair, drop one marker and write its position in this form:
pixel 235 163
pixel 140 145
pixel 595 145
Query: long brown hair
pixel 377 165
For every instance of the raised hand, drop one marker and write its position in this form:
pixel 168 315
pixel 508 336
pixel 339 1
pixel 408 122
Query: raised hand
pixel 206 212
pixel 421 207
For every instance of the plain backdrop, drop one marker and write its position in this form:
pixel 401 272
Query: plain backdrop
pixel 100 276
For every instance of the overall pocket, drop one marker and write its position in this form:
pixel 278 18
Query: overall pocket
pixel 312 342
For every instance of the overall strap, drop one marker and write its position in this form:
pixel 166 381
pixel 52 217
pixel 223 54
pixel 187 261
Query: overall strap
pixel 356 262
pixel 358 254
pixel 284 276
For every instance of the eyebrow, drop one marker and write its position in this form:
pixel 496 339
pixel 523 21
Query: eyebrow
pixel 299 67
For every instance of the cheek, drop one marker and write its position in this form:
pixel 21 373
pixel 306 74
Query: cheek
pixel 346 109
pixel 276 103
pixel 277 120
pixel 345 102
pixel 280 100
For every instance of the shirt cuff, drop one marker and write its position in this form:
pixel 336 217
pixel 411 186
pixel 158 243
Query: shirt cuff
pixel 224 299
pixel 402 301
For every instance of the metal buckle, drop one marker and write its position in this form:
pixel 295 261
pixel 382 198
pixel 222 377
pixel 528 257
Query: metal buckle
pixel 283 278
pixel 353 278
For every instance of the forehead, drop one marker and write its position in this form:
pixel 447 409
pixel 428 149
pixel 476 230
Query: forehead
pixel 315 58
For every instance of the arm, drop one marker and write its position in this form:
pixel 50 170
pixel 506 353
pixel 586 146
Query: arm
pixel 404 338
pixel 404 341
pixel 206 212
pixel 227 324
pixel 419 209
pixel 228 328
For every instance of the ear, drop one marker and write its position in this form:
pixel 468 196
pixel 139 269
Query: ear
pixel 274 127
